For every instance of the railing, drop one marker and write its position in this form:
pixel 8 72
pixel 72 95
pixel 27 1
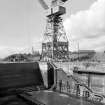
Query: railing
pixel 76 87
pixel 78 90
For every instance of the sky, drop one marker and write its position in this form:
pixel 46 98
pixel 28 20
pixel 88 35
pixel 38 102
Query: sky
pixel 22 25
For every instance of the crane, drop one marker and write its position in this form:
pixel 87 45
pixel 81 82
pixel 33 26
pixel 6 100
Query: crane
pixel 55 45
pixel 54 7
pixel 53 3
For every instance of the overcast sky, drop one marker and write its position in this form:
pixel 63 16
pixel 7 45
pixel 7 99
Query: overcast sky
pixel 22 25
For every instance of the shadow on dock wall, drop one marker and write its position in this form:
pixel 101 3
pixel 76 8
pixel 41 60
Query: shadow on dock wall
pixel 18 75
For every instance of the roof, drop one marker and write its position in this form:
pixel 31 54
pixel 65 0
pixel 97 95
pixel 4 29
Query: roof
pixel 84 51
pixel 84 71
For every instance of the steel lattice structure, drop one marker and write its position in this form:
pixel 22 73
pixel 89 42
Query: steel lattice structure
pixel 55 44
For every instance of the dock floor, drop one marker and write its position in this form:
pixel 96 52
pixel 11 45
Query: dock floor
pixel 55 98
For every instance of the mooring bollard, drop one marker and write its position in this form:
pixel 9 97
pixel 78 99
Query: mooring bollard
pixel 77 90
pixel 60 85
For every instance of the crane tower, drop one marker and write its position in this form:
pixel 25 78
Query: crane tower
pixel 55 43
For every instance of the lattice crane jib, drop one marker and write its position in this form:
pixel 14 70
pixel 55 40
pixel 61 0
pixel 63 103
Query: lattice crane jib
pixel 55 44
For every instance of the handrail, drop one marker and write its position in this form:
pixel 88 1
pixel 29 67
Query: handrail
pixel 75 79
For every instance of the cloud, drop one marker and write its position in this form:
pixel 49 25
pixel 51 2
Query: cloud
pixel 8 50
pixel 87 27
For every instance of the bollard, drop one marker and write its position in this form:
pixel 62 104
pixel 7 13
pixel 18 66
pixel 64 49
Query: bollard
pixel 60 85
pixel 77 90
pixel 67 84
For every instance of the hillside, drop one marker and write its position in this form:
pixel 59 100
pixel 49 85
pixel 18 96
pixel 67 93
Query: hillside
pixel 22 57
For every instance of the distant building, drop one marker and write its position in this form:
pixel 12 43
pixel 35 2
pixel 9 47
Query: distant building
pixel 81 55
